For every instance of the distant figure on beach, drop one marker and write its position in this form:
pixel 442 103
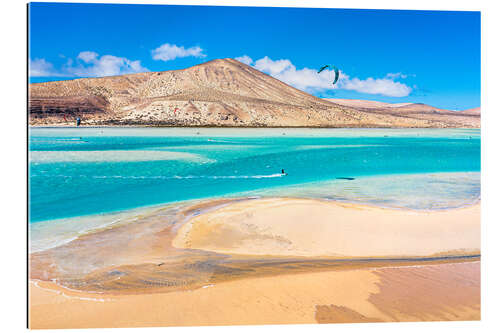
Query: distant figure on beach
pixel 78 121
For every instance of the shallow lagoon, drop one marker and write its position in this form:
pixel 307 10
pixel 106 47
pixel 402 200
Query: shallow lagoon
pixel 84 171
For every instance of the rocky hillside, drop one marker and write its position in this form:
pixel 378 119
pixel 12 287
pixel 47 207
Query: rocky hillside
pixel 420 112
pixel 222 92
pixel 475 111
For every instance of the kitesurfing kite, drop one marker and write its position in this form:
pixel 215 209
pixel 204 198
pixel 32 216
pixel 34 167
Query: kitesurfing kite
pixel 335 69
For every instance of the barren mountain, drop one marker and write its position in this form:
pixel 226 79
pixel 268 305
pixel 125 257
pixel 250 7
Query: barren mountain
pixel 365 104
pixel 417 111
pixel 475 111
pixel 222 92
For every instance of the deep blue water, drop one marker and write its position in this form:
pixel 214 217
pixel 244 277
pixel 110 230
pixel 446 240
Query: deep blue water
pixel 75 172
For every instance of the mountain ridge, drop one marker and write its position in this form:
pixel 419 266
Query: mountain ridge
pixel 220 92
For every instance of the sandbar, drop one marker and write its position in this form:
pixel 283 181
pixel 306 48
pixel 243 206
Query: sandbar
pixel 309 227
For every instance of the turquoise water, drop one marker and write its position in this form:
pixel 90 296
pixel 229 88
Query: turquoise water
pixel 85 171
pixel 427 191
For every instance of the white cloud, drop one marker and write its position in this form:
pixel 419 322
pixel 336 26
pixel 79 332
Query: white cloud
pixel 274 67
pixel 309 79
pixel 87 64
pixel 87 56
pixel 105 65
pixel 386 87
pixel 41 68
pixel 168 52
pixel 245 59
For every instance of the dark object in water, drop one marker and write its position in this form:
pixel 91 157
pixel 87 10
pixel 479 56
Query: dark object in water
pixel 283 173
pixel 346 178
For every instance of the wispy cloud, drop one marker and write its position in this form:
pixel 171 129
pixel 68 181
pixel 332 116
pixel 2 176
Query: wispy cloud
pixel 168 52
pixel 309 80
pixel 88 56
pixel 41 68
pixel 245 59
pixel 87 64
pixel 398 75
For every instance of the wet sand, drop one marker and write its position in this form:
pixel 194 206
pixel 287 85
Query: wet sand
pixel 437 292
pixel 153 271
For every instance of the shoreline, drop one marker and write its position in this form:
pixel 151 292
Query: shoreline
pixel 425 293
pixel 127 214
pixel 47 126
pixel 344 265
pixel 171 227
pixel 136 268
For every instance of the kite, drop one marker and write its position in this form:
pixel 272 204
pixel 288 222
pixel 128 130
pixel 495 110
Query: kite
pixel 336 72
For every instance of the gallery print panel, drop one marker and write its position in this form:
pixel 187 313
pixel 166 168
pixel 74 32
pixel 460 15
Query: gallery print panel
pixel 218 165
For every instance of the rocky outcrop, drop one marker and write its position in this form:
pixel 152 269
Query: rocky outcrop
pixel 70 105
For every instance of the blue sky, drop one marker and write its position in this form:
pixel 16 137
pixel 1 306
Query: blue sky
pixel 430 57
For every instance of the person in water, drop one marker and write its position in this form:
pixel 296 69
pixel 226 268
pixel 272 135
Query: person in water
pixel 283 172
